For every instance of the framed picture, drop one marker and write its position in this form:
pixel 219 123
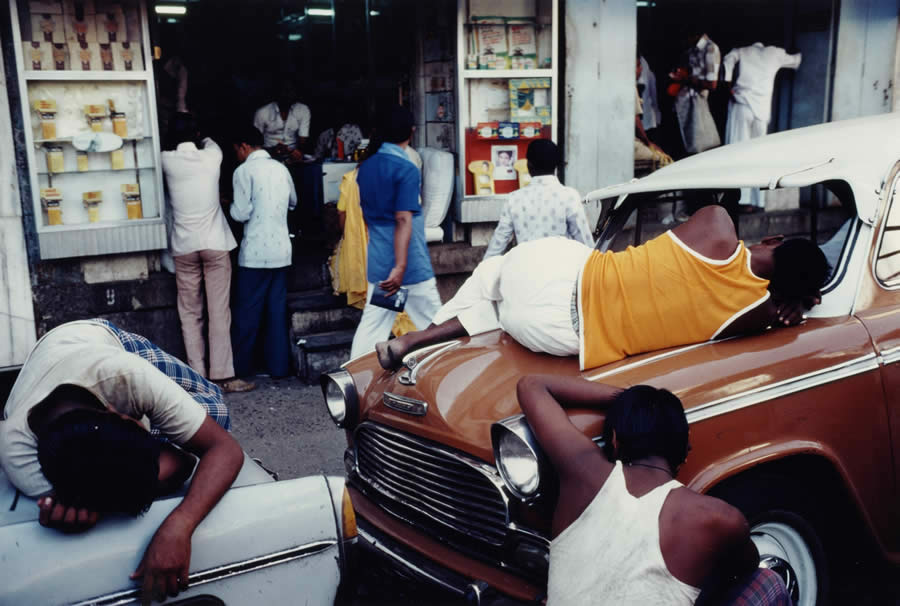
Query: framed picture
pixel 504 158
pixel 529 100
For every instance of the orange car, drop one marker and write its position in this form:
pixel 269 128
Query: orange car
pixel 794 426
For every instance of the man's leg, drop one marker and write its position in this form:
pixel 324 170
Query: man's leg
pixel 471 311
pixel 277 340
pixel 374 325
pixel 248 304
pixel 203 391
pixel 189 281
pixel 217 270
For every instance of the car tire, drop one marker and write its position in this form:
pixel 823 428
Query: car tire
pixel 790 546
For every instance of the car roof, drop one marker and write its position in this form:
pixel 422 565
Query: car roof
pixel 860 151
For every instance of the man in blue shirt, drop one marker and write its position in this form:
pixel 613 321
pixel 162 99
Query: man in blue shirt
pixel 397 253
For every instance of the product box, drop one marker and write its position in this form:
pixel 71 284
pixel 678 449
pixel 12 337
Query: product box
pixel 111 25
pixel 487 130
pixel 55 159
pixel 127 56
pixel 530 130
pixel 51 198
pixel 45 6
pixel 492 47
pixel 79 7
pixel 47 27
pixel 84 56
pixel 91 201
pixel 508 130
pixel 131 195
pixel 522 46
pixel 95 115
pixel 117 159
pixel 46 108
pixel 81 28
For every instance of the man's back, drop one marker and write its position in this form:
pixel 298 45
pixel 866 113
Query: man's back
pixel 542 209
pixel 389 183
pixel 263 193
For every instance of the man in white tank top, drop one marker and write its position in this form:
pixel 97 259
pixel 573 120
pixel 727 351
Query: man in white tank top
pixel 624 530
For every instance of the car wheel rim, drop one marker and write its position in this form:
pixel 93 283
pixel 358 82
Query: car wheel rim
pixel 784 550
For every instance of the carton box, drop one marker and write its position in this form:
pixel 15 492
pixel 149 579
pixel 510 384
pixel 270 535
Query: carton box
pixel 84 56
pixel 83 29
pixel 47 27
pixel 111 26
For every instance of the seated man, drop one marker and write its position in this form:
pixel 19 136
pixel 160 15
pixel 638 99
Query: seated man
pixel 694 283
pixel 667 542
pixel 75 430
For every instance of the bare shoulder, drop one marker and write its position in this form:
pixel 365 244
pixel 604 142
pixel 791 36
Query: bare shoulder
pixel 710 232
pixel 722 524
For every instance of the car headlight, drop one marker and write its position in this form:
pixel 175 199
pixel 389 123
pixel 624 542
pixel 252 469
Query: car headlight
pixel 519 459
pixel 340 397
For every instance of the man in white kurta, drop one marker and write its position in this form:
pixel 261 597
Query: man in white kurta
pixel 750 106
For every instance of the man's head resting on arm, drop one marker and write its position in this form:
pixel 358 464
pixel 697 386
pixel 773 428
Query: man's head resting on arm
pixel 643 422
pixel 796 269
pixel 100 460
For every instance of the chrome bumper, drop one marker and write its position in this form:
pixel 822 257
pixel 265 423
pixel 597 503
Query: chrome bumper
pixel 412 564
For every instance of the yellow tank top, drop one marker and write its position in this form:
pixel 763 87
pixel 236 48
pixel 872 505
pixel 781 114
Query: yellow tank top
pixel 658 295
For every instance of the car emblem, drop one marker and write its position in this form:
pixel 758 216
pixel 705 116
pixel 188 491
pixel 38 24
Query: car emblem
pixel 409 406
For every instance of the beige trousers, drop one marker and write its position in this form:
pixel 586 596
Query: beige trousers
pixel 212 267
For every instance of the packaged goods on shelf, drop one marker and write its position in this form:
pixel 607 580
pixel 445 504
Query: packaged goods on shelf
pixel 55 159
pixel 117 159
pixel 47 27
pixel 127 56
pixel 95 115
pixel 111 24
pixel 493 52
pixel 80 28
pixel 46 108
pixel 84 56
pixel 131 195
pixel 81 161
pixel 522 46
pixel 487 130
pixel 92 201
pixel 51 198
pixel 508 130
pixel 530 130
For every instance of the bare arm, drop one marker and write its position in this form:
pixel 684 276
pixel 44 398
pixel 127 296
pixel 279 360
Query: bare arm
pixel 732 553
pixel 402 235
pixel 544 398
pixel 166 562
pixel 770 313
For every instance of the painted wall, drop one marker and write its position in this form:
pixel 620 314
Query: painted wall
pixel 865 61
pixel 600 43
pixel 17 330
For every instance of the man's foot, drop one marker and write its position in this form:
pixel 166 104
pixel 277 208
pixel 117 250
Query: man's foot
pixel 390 354
pixel 236 385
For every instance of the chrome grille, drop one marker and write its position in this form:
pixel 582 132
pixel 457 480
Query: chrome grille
pixel 450 491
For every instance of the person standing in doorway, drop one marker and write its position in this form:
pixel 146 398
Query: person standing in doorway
pixel 263 193
pixel 284 124
pixel 200 243
pixel 397 254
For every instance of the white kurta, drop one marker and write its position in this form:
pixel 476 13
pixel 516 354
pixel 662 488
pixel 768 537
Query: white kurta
pixel 750 107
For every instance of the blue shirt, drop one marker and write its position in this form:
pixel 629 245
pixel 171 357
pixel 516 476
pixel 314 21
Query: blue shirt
pixel 388 183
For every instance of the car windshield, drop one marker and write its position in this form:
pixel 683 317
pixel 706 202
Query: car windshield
pixel 824 212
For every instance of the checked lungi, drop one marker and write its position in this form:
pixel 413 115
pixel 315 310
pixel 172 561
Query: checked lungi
pixel 204 392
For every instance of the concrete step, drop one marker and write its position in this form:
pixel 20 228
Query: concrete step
pixel 321 352
pixel 320 310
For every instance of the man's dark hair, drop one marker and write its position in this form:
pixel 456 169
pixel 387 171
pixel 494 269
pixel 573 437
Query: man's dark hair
pixel 247 133
pixel 648 422
pixel 183 128
pixel 542 156
pixel 100 461
pixel 801 269
pixel 395 125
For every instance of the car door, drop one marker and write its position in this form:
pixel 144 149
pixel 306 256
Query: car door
pixel 265 542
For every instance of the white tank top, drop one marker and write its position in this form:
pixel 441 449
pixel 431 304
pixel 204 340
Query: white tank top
pixel 611 553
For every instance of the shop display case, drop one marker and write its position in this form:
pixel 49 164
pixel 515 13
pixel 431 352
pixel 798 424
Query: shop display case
pixel 507 85
pixel 91 131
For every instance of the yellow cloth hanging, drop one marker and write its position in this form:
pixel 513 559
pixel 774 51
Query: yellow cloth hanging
pixel 348 263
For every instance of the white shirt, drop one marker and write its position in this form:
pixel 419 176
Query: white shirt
pixel 652 116
pixel 192 180
pixel 542 209
pixel 275 130
pixel 89 355
pixel 263 193
pixel 757 66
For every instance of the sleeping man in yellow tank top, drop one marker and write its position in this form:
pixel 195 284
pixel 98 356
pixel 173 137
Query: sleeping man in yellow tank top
pixel 694 283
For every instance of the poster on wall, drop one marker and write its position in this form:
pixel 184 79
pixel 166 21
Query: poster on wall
pixel 438 76
pixel 439 135
pixel 439 107
pixel 504 158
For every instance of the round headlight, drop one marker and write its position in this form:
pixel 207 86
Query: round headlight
pixel 336 403
pixel 518 465
pixel 340 397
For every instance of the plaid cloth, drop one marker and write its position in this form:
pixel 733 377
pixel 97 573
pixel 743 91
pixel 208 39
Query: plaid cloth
pixel 763 588
pixel 204 392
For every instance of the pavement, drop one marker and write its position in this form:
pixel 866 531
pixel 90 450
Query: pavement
pixel 284 424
